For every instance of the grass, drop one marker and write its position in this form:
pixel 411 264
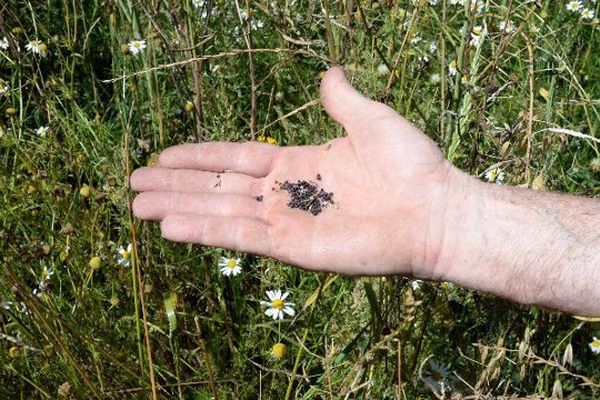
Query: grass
pixel 169 325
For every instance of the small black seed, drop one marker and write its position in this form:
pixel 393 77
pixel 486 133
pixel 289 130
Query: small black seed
pixel 318 177
pixel 259 198
pixel 307 197
pixel 218 175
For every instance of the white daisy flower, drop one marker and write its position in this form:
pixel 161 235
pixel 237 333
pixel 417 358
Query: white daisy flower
pixel 382 70
pixel 256 24
pixel 124 257
pixel 200 5
pixel 587 14
pixel 42 131
pixel 576 5
pixel 453 68
pixel 506 26
pixel 477 34
pixel 46 273
pixel 432 47
pixel 595 345
pixel 495 175
pixel 416 40
pixel 230 266
pixel 136 46
pixel 415 284
pixel 3 87
pixel 37 47
pixel 478 5
pixel 276 306
pixel 4 43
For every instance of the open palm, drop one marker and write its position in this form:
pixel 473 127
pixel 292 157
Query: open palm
pixel 388 179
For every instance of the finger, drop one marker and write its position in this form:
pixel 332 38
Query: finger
pixel 238 234
pixel 157 205
pixel 189 180
pixel 347 106
pixel 341 101
pixel 251 158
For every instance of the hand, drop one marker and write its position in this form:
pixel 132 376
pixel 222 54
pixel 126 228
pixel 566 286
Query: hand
pixel 389 180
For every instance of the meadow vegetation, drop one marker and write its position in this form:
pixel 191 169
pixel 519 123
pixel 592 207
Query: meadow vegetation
pixel 95 304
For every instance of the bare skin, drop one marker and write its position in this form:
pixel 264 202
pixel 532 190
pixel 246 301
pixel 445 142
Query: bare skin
pixel 400 208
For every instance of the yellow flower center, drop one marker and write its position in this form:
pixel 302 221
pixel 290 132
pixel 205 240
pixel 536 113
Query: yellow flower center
pixel 277 303
pixel 125 254
pixel 136 45
pixel 278 350
pixel 596 343
pixel 231 264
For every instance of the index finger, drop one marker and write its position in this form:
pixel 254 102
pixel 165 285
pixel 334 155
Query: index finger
pixel 251 158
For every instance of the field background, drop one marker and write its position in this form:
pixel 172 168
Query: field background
pixel 170 325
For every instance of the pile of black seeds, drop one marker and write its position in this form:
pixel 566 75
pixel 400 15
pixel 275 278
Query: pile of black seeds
pixel 306 196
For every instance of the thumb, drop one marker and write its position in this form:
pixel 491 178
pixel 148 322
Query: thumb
pixel 341 101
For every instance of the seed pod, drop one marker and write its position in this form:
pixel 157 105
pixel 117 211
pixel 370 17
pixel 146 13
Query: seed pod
pixel 557 392
pixel 522 350
pixel 567 358
pixel 506 148
pixel 495 374
pixel 523 372
pixel 484 353
pixel 64 390
pixel 14 352
pixel 95 263
pixel 539 182
pixel 85 191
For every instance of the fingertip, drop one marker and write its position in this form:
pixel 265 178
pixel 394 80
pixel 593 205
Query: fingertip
pixel 135 206
pixel 332 78
pixel 167 156
pixel 141 178
pixel 142 206
pixel 168 227
pixel 340 100
pixel 134 179
pixel 178 228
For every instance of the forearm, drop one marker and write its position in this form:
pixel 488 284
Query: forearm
pixel 528 246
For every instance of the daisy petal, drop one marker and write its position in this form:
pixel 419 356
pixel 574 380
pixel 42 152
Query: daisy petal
pixel 289 311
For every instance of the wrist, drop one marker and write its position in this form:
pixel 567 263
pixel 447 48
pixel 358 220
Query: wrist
pixel 453 228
